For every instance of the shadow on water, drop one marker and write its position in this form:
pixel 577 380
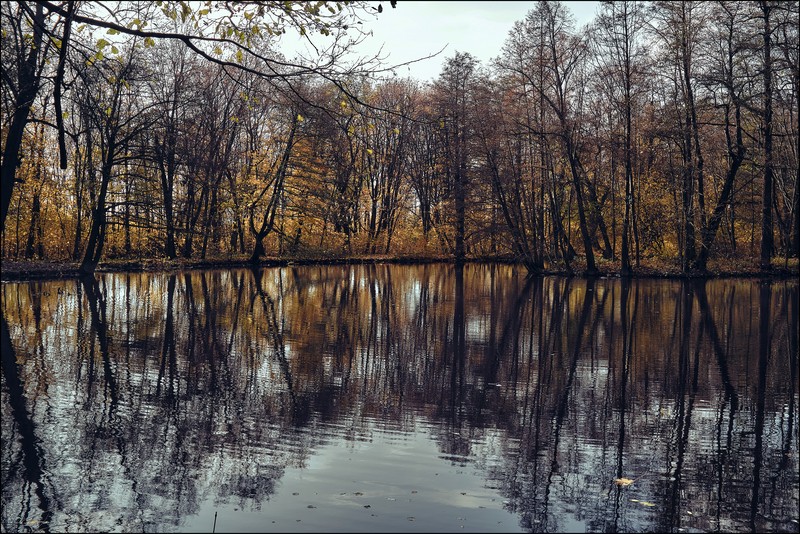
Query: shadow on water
pixel 368 398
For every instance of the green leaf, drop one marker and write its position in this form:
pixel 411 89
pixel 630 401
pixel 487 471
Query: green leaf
pixel 148 42
pixel 112 31
pixel 102 43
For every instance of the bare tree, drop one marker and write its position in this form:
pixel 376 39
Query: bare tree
pixel 454 92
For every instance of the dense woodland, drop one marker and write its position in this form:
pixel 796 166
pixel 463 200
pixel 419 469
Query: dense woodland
pixel 661 133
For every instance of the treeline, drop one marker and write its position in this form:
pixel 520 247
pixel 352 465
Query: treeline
pixel 660 132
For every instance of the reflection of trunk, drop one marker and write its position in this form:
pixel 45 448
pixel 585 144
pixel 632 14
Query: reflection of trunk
pixel 97 308
pixel 722 355
pixel 561 409
pixel 276 337
pixel 168 345
pixel 32 454
pixel 730 393
pixel 764 297
pixel 459 342
pixel 511 331
pixel 684 408
pixel 791 395
pixel 628 327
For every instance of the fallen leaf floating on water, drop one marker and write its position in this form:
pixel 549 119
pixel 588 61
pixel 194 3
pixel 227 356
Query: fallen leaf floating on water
pixel 623 481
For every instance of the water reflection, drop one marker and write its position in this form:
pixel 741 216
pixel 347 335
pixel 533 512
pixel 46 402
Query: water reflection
pixel 149 401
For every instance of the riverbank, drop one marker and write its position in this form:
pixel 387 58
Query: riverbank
pixel 13 270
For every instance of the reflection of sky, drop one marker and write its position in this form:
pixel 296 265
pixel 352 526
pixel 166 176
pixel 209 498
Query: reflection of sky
pixel 391 418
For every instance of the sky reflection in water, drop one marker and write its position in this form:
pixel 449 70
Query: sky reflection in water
pixel 398 398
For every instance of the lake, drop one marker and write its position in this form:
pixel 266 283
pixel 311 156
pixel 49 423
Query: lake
pixel 395 398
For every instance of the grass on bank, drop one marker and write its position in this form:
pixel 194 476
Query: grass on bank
pixel 649 267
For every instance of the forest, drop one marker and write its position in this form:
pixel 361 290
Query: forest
pixel 661 135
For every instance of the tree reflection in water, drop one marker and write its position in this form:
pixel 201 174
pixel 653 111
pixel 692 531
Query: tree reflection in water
pixel 132 401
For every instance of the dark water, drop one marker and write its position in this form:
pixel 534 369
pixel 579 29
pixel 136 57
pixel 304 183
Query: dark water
pixel 397 398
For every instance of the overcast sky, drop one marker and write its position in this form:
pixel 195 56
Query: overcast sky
pixel 415 29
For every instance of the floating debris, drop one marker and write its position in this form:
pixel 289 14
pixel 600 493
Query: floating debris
pixel 623 482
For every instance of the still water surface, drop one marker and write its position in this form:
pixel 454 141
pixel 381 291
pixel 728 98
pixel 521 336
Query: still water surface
pixel 398 398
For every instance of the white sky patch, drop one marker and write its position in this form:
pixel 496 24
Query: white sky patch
pixel 417 29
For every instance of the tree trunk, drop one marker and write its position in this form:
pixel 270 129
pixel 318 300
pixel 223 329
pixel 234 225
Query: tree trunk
pixel 736 159
pixel 767 238
pixel 28 88
pixel 591 267
pixel 34 225
pixel 97 233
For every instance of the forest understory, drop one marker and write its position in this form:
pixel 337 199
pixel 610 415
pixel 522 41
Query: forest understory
pixel 661 139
